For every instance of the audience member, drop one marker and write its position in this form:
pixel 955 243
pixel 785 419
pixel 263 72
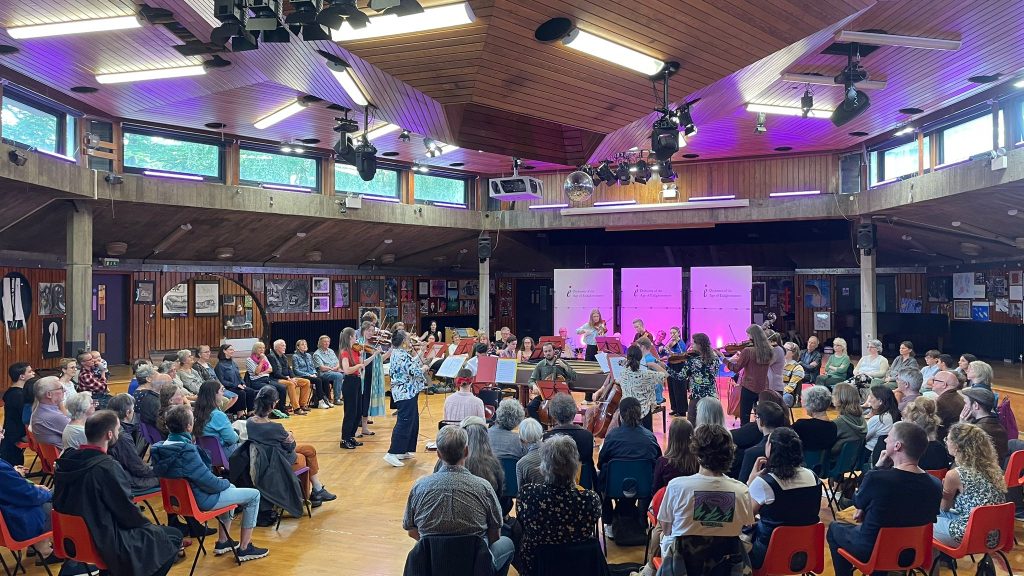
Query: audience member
pixel 976 481
pixel 210 420
pixel 79 406
pixel 483 463
pixel 908 386
pixel 202 364
pixel 979 374
pixel 93 378
pixel 25 506
pixel 328 366
pixel 965 361
pixel 979 402
pixel 922 412
pixel 454 502
pixel 48 420
pixel 948 401
pixel 768 416
pixel 178 457
pixel 90 484
pixel 562 409
pixel 783 492
pixel 931 367
pixel 901 496
pixel 298 389
pixel 873 365
pixel 554 512
pixel 709 411
pixel 147 397
pixel 678 459
pixel 750 433
pixel 837 367
pixel 229 375
pixel 904 361
pixel 259 370
pixel 14 402
pixel 463 403
pixel 69 373
pixel 170 396
pixel 304 367
pixel 629 441
pixel 504 441
pixel 816 432
pixel 531 433
pixel 810 360
pixel 184 373
pixel 141 478
pixel 792 373
pixel 850 423
pixel 884 413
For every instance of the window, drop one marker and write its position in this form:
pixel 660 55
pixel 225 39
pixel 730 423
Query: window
pixel 347 180
pixel 262 167
pixel 901 160
pixel 429 188
pixel 146 150
pixel 964 140
pixel 32 126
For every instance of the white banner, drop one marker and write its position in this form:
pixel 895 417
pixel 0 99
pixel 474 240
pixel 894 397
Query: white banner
pixel 655 295
pixel 577 292
pixel 720 302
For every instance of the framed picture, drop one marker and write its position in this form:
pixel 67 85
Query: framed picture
pixel 822 321
pixel 375 309
pixel 817 294
pixel 175 301
pixel 423 288
pixel 963 285
pixel 207 297
pixel 758 293
pixel 53 337
pixel 321 303
pixel 940 289
pixel 369 292
pixel 287 295
pixel 453 298
pixel 453 284
pixel 342 296
pixel 51 299
pixel 980 312
pixel 227 300
pixel 257 283
pixel 391 292
pixel 961 310
pixel 409 313
pixel 437 289
pixel 469 289
pixel 321 285
pixel 1015 278
pixel 145 292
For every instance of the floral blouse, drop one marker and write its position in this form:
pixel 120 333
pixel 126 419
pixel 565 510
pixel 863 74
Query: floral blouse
pixel 552 514
pixel 641 384
pixel 407 378
pixel 977 491
pixel 702 377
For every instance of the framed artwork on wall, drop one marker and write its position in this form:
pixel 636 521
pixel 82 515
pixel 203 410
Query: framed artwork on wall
pixel 437 289
pixel 369 292
pixel 961 310
pixel 175 301
pixel 321 285
pixel 207 298
pixel 758 293
pixel 145 292
pixel 423 288
pixel 286 295
pixel 940 288
pixel 342 297
pixel 321 304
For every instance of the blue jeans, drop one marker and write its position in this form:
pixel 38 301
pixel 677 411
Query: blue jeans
pixel 247 499
pixel 335 379
pixel 502 551
pixel 940 531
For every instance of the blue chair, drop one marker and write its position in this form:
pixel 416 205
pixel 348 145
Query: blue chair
pixel 844 467
pixel 816 460
pixel 511 482
pixel 627 479
pixel 212 446
pixel 586 477
pixel 150 433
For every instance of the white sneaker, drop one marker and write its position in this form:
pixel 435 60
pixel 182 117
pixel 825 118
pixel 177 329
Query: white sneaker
pixel 405 456
pixel 394 460
pixel 323 405
pixel 410 455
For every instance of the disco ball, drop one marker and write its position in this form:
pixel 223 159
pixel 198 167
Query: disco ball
pixel 579 186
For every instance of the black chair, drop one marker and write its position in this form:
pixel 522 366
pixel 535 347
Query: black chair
pixel 577 558
pixel 449 556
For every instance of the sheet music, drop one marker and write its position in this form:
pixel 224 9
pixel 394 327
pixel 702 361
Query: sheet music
pixel 451 366
pixel 506 373
pixel 618 366
pixel 602 361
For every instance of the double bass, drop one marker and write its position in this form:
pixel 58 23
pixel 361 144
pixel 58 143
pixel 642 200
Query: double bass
pixel 598 418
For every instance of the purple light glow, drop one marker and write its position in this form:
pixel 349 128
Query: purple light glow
pixel 285 188
pixel 797 193
pixel 158 174
pixel 577 292
pixel 615 203
pixel 56 155
pixel 720 302
pixel 548 206
pixel 654 295
pixel 373 198
pixel 711 198
pixel 451 205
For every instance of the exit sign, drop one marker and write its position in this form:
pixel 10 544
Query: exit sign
pixel 111 262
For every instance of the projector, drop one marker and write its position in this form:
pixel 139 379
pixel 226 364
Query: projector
pixel 516 188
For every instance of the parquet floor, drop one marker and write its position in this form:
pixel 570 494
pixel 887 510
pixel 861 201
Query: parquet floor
pixel 361 532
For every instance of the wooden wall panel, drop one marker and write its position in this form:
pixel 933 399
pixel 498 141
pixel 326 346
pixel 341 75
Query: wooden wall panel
pixel 804 316
pixel 27 343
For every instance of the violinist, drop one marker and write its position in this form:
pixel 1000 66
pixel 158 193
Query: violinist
pixel 651 362
pixel 699 371
pixel 671 354
pixel 674 346
pixel 550 368
pixel 752 363
pixel 594 327
pixel 351 386
pixel 641 332
pixel 372 398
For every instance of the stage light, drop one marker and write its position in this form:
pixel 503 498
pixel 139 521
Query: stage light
pixel 665 137
pixel 643 172
pixel 807 101
pixel 788 110
pixel 113 179
pixel 343 74
pixel 760 127
pixel 611 52
pixel 434 18
pixel 622 173
pixel 685 120
pixel 154 74
pixel 666 173
pixel 405 136
pixel 17 157
pixel 74 27
pixel 279 115
pixel 605 173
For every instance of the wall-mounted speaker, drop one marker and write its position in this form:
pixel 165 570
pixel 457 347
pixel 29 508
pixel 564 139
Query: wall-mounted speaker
pixel 483 248
pixel 866 236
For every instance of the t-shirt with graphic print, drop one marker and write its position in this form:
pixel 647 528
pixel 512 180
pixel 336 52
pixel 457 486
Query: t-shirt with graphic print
pixel 700 505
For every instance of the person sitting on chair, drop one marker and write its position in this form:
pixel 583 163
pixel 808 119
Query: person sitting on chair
pixel 463 403
pixel 48 421
pixel 976 481
pixel 562 409
pixel 547 369
pixel 504 441
pixel 629 441
pixel 90 484
pixel 528 471
pixel 454 502
pixel 26 506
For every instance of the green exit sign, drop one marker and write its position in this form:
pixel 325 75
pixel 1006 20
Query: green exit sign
pixel 111 262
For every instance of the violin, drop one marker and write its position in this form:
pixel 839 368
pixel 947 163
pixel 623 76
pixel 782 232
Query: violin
pixel 737 347
pixel 602 328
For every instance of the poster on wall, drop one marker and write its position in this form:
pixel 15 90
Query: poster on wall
pixel 997 286
pixel 145 292
pixel 207 298
pixel 1003 305
pixel 1015 278
pixel 1016 308
pixel 287 295
pixel 51 298
pixel 53 337
pixel 961 310
pixel 822 321
pixel 175 301
pixel 469 289
pixel 423 288
pixel 654 295
pixel 980 311
pixel 257 283
pixel 437 289
pixel 406 290
pixel 1016 292
pixel 577 292
pixel 758 293
pixel 940 289
pixel 910 306
pixel 453 299
pixel 391 292
pixel 369 292
pixel 409 313
pixel 963 285
pixel 321 285
pixel 342 298
pixel 424 306
pixel 720 302
pixel 817 293
pixel 321 304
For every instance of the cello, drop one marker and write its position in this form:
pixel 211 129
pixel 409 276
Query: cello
pixel 598 418
pixel 548 389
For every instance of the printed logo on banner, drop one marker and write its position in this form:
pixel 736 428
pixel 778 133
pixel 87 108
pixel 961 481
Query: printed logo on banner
pixel 720 302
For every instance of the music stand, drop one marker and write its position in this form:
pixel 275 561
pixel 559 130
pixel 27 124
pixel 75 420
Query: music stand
pixel 548 388
pixel 538 350
pixel 465 347
pixel 609 344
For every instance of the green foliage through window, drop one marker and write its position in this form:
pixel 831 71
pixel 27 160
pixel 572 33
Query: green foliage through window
pixel 153 152
pixel 437 189
pixel 29 125
pixel 270 168
pixel 384 183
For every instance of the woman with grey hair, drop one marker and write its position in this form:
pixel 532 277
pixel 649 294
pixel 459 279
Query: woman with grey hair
pixel 872 365
pixel 79 406
pixel 709 411
pixel 531 432
pixel 816 432
pixel 504 441
pixel 184 373
pixel 483 464
pixel 979 374
pixel 562 408
pixel 557 511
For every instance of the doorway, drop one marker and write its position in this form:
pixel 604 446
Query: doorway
pixel 110 316
pixel 534 308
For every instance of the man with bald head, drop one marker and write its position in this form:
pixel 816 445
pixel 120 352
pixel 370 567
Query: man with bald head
pixel 147 395
pixel 948 401
pixel 48 422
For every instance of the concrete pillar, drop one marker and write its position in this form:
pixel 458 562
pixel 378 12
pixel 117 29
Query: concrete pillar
pixel 485 296
pixel 78 325
pixel 868 301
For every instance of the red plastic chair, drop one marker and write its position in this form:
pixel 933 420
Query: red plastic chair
pixel 652 518
pixel 144 499
pixel 983 521
pixel 48 455
pixel 16 546
pixel 940 473
pixel 72 540
pixel 179 499
pixel 787 543
pixel 890 543
pixel 1014 474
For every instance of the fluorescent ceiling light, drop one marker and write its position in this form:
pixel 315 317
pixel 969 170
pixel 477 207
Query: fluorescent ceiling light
pixel 345 77
pixel 896 40
pixel 382 130
pixel 903 131
pixel 797 193
pixel 287 111
pixel 433 18
pixel 655 207
pixel 788 110
pixel 1018 84
pixel 819 80
pixel 615 203
pixel 547 206
pixel 74 27
pixel 713 198
pixel 155 74
pixel 610 51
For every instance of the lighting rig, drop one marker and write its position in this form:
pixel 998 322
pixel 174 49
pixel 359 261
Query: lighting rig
pixel 359 153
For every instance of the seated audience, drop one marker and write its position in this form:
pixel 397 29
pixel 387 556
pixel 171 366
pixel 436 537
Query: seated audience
pixel 90 484
pixel 227 372
pixel 184 373
pixel 750 433
pixel 905 361
pixel 147 395
pixel 837 367
pixel 210 420
pixel 850 423
pixel 702 515
pixel 91 378
pixel 976 481
pixel 556 511
pixel 25 506
pixel 14 402
pixel 463 403
pixel 810 360
pixel 792 373
pixel 259 370
pixel 171 395
pixel 202 364
pixel 948 401
pixel 709 411
pixel 168 366
pixel 562 409
pixel 931 367
pixel 455 502
pixel 816 432
pixel 908 386
pixel 304 367
pixel 979 404
pixel 873 365
pixel 783 491
pixel 48 421
pixel 281 372
pixel 769 417
pixel 80 406
pixel 678 459
pixel 979 374
pixel 528 471
pixel 922 412
pixel 964 362
pixel 629 441
pixel 884 413
pixel 902 495
pixel 68 374
pixel 482 462
pixel 504 441
pixel 178 457
pixel 141 478
pixel 328 366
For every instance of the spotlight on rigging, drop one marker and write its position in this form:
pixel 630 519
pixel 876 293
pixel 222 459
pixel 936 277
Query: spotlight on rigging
pixel 665 137
pixel 760 127
pixel 433 147
pixel 604 172
pixel 685 120
pixel 666 173
pixel 622 173
pixel 807 102
pixel 17 157
pixel 643 172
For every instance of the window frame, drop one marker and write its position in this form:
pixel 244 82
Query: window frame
pixel 939 133
pixel 877 159
pixel 275 151
pixel 139 130
pixel 60 113
pixel 398 170
pixel 447 176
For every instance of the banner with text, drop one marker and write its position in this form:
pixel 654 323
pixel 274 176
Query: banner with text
pixel 654 295
pixel 577 292
pixel 720 302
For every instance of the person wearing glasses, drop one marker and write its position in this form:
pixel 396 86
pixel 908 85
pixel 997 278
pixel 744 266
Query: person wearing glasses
pixel 48 421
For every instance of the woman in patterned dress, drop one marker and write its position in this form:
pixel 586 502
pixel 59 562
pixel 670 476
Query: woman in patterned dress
pixel 640 382
pixel 701 370
pixel 976 481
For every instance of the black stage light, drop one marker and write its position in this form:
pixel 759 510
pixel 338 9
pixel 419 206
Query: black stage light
pixel 643 172
pixel 685 119
pixel 666 173
pixel 244 41
pixel 113 179
pixel 665 137
pixel 604 172
pixel 279 35
pixel 313 32
pixel 304 12
pixel 622 173
pixel 366 160
pixel 807 101
pixel 760 127
pixel 17 157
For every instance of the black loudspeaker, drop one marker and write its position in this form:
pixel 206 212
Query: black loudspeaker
pixel 866 236
pixel 848 110
pixel 483 248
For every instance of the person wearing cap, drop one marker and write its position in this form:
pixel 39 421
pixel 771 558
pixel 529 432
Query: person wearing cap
pixel 948 401
pixel 978 406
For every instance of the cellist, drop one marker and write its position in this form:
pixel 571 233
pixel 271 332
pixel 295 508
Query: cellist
pixel 550 368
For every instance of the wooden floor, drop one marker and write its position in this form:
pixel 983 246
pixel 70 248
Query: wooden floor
pixel 361 532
